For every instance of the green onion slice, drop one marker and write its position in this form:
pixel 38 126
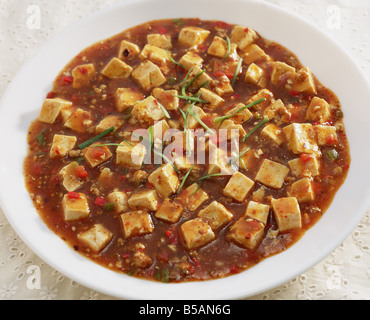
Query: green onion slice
pixel 220 119
pixel 239 156
pixel 191 98
pixel 237 70
pixel 259 125
pixel 166 159
pixel 173 60
pixel 164 110
pixel 184 178
pixel 184 82
pixel 228 48
pixel 333 154
pixel 195 116
pixel 206 176
pixel 195 78
pixel 96 138
pixel 41 139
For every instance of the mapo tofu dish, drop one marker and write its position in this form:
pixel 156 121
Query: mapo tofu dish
pixel 182 150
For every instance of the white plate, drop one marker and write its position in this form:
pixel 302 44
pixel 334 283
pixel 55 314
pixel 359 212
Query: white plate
pixel 333 67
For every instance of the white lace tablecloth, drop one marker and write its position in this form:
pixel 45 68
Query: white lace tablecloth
pixel 25 25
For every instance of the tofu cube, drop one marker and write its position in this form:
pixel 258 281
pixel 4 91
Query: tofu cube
pixel 130 155
pixel 274 133
pixel 243 36
pixel 281 68
pixel 304 81
pixel 76 207
pixel 241 116
pixel 148 111
pixel 310 167
pixel 117 69
pixel 287 213
pixel 190 60
pixel 262 93
pixel 254 74
pixel 216 215
pixel 212 99
pixel 70 179
pixel 96 155
pixel 51 109
pixel 223 86
pixel 79 120
pixel 165 180
pixel 218 47
pixel 82 75
pixel 218 161
pixel 146 199
pixel 136 223
pixel 155 54
pixel 231 126
pixel 108 122
pixel 159 130
pixel 326 135
pixel 196 233
pixel 61 145
pixel 302 190
pixel 272 174
pixel 193 197
pixel 159 40
pixel 198 78
pixel 119 199
pixel 301 138
pixel 96 238
pixel 249 159
pixel 238 187
pixel 65 113
pixel 278 112
pixel 128 50
pixel 169 211
pixel 318 110
pixel 254 53
pixel 193 36
pixel 168 98
pixel 148 75
pixel 191 122
pixel 246 232
pixel 126 98
pixel 258 211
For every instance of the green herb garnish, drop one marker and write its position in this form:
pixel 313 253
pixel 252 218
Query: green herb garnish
pixel 178 22
pixel 123 139
pixel 164 110
pixel 166 159
pixel 108 206
pixel 184 81
pixel 228 48
pixel 41 139
pixel 239 156
pixel 259 125
pixel 184 178
pixel 207 176
pixel 96 138
pixel 195 116
pixel 333 154
pixel 173 60
pixel 237 70
pixel 220 119
pixel 191 98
